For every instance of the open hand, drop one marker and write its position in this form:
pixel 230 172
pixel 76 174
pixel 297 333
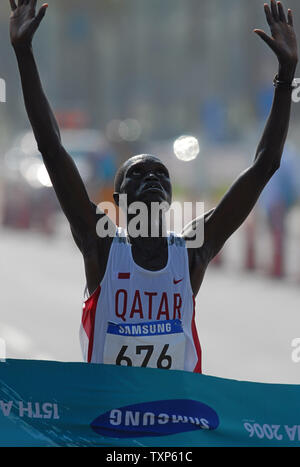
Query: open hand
pixel 24 21
pixel 283 39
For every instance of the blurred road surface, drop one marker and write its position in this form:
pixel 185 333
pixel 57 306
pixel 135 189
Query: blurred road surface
pixel 246 322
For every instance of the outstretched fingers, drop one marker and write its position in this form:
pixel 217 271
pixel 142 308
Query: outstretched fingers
pixel 269 40
pixel 281 12
pixel 282 39
pixel 290 18
pixel 41 13
pixel 269 15
pixel 275 13
pixel 274 10
pixel 13 5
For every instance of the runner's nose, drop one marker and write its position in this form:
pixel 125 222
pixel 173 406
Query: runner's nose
pixel 151 176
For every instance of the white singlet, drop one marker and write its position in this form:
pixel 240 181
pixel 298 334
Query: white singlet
pixel 142 318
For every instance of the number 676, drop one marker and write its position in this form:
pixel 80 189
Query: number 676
pixel 164 361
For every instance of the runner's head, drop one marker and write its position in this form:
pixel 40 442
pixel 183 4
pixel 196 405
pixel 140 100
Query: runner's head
pixel 143 178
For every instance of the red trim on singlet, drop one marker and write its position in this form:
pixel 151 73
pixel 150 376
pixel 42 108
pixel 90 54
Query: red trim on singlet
pixel 124 275
pixel 198 368
pixel 88 319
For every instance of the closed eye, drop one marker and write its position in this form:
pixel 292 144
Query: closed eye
pixel 163 173
pixel 136 173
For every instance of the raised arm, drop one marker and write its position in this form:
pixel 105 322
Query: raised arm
pixel 243 195
pixel 64 175
pixel 63 172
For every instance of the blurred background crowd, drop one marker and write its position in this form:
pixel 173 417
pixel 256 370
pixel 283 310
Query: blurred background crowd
pixel 130 76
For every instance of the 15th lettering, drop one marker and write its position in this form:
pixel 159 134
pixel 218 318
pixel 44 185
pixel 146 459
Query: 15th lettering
pixel 45 410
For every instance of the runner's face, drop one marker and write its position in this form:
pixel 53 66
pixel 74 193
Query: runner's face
pixel 147 180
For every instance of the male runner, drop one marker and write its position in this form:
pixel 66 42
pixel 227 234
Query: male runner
pixel 142 290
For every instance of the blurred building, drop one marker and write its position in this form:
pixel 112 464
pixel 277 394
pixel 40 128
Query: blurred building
pixel 173 66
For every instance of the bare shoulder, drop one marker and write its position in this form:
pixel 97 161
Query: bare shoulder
pixel 95 248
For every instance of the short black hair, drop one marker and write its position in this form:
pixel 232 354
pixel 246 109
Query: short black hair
pixel 124 167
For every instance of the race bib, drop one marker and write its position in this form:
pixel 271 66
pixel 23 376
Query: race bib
pixel 156 344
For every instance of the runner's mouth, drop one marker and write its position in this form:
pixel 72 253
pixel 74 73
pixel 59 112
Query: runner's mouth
pixel 153 187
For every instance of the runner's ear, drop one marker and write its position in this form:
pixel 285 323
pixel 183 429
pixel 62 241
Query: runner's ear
pixel 116 198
